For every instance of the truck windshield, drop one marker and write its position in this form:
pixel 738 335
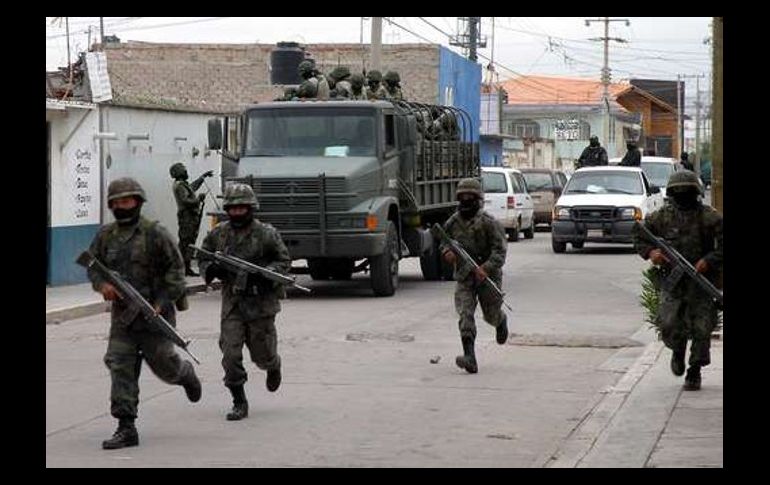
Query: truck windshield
pixel 310 133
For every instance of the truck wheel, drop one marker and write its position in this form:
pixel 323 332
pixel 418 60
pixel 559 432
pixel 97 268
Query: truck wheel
pixel 530 233
pixel 384 267
pixel 318 269
pixel 513 234
pixel 430 264
pixel 558 247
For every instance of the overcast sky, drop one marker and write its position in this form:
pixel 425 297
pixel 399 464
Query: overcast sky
pixel 655 47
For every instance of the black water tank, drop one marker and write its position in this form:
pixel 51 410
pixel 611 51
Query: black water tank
pixel 284 60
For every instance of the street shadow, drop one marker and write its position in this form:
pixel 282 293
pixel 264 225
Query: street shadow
pixel 602 250
pixel 358 287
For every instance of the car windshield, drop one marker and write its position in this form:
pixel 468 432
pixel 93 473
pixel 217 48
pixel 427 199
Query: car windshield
pixel 605 183
pixel 493 182
pixel 538 181
pixel 658 172
pixel 310 132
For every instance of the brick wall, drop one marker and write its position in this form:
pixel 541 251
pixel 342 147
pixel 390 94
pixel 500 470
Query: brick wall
pixel 225 77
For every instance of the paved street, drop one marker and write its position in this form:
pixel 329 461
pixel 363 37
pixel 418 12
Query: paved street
pixel 359 388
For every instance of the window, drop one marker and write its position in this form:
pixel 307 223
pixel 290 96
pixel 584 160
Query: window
pixel 390 133
pixel 494 182
pixel 449 96
pixel 516 183
pixel 524 129
pixel 596 182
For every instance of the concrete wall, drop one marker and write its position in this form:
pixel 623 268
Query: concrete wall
pixel 491 151
pixel 459 84
pixel 74 191
pixel 173 136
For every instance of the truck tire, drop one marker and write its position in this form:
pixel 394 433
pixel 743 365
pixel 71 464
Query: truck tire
pixel 384 267
pixel 513 234
pixel 430 264
pixel 530 233
pixel 558 247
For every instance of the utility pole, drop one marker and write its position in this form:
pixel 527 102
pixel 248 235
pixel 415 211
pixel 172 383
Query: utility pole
pixel 101 29
pixel 679 128
pixel 473 23
pixel 469 37
pixel 606 69
pixel 716 108
pixel 377 43
pixel 696 161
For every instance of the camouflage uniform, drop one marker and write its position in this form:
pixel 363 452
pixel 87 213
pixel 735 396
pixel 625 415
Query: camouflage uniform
pixel 357 92
pixel 189 209
pixel 315 85
pixel 249 317
pixel 374 85
pixel 483 238
pixel 392 87
pixel 686 311
pixel 342 87
pixel 145 255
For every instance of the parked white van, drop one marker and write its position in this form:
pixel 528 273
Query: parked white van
pixel 507 200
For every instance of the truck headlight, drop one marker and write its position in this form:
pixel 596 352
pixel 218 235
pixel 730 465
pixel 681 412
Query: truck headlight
pixel 631 213
pixel 561 213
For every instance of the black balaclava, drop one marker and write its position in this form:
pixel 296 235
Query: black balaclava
pixel 685 199
pixel 630 146
pixel 242 220
pixel 469 207
pixel 127 217
pixel 594 142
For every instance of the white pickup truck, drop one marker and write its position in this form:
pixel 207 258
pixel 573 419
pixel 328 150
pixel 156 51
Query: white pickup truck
pixel 601 204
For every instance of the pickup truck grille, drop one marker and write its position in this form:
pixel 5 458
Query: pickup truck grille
pixel 593 213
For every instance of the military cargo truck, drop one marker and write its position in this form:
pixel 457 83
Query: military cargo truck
pixel 351 185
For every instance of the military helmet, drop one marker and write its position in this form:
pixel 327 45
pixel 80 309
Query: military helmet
pixel 305 66
pixel 469 186
pixel 177 170
pixel 374 75
pixel 684 179
pixel 340 72
pixel 125 187
pixel 357 80
pixel 240 194
pixel 392 77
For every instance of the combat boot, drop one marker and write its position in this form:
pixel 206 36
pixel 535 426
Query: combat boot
pixel 677 362
pixel 188 271
pixel 502 331
pixel 467 361
pixel 240 404
pixel 692 379
pixel 273 380
pixel 192 385
pixel 126 435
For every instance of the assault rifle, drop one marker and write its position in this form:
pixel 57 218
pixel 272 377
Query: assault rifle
pixel 681 267
pixel 461 253
pixel 135 302
pixel 243 268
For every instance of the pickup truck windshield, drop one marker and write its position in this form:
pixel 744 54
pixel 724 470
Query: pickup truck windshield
pixel 310 133
pixel 658 172
pixel 605 183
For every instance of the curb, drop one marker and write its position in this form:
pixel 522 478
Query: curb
pixel 581 440
pixel 61 315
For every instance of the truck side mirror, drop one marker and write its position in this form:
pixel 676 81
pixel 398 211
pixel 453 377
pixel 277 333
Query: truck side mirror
pixel 654 189
pixel 215 134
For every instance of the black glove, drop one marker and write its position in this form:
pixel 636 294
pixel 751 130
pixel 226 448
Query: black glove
pixel 213 271
pixel 208 174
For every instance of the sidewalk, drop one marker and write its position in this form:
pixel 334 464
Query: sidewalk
pixel 64 303
pixel 647 421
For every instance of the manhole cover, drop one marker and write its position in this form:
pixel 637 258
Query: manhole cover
pixel 569 340
pixel 367 336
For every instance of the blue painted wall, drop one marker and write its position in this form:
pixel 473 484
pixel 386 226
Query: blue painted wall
pixel 66 244
pixel 464 77
pixel 491 151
